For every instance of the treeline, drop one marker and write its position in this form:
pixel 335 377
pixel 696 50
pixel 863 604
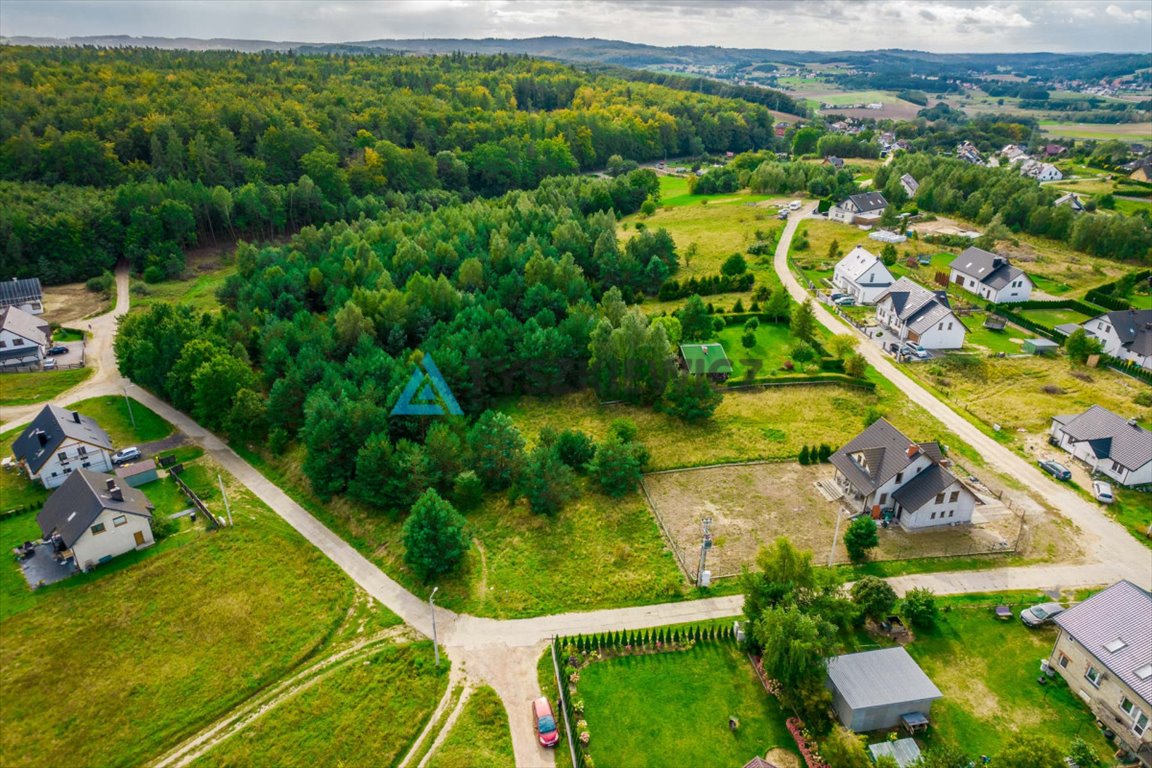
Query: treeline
pixel 315 138
pixel 773 99
pixel 1001 196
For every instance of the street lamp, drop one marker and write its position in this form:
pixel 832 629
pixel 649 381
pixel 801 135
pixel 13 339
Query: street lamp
pixel 435 644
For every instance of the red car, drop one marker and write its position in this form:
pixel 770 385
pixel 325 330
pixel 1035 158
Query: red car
pixel 545 723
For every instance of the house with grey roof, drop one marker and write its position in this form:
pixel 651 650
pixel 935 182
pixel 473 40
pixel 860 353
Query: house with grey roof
pixel 1109 444
pixel 911 312
pixel 23 338
pixel 1104 653
pixel 92 516
pixel 1072 200
pixel 990 276
pixel 910 185
pixel 874 690
pixel 59 441
pixel 864 208
pixel 862 275
pixel 22 293
pixel 881 472
pixel 1125 334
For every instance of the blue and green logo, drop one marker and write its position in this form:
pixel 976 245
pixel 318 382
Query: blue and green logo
pixel 427 394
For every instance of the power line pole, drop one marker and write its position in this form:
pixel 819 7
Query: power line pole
pixel 705 545
pixel 435 643
pixel 835 534
pixel 227 506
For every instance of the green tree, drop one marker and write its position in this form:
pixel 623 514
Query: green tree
pixel 803 352
pixel 855 365
pixel 888 255
pixel 248 419
pixel 803 321
pixel 794 647
pixel 785 576
pixel 841 345
pixel 805 458
pixel 467 490
pixel 834 250
pixel 1082 754
pixel 375 484
pixel 1029 750
pixel 695 322
pixel 845 749
pixel 547 482
pixel 873 597
pixel 617 465
pixel 919 607
pixel 734 265
pixel 497 449
pixel 943 755
pixel 804 140
pixel 575 449
pixel 1079 346
pixel 215 386
pixel 861 537
pixel 691 397
pixel 748 340
pixel 435 537
pixel 778 305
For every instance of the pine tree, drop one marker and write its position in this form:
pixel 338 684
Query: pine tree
pixel 804 456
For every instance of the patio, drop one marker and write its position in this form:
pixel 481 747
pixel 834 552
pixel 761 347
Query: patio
pixel 41 567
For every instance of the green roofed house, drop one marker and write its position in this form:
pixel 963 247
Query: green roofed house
pixel 706 358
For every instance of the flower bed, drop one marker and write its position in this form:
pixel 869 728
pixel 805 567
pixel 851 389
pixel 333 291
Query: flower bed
pixel 808 747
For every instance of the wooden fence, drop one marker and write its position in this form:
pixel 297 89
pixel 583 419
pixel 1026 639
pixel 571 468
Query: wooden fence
pixel 196 500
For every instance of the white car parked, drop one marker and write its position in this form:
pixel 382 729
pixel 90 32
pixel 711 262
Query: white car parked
pixel 1102 492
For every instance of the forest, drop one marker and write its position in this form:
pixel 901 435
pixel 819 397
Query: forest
pixel 159 150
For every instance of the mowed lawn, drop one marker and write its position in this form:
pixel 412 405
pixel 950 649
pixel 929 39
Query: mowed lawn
pixel 366 712
pixel 643 709
pixel 113 668
pixel 774 342
pixel 1050 318
pixel 480 738
pixel 127 423
pixel 28 388
pixel 987 671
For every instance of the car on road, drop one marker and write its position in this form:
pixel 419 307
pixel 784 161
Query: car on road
pixel 1056 469
pixel 1040 614
pixel 57 350
pixel 545 721
pixel 125 455
pixel 783 214
pixel 915 350
pixel 1102 492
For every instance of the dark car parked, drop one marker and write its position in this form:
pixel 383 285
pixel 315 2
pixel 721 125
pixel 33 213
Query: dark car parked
pixel 58 350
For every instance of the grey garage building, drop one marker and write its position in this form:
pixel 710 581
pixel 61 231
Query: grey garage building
pixel 874 689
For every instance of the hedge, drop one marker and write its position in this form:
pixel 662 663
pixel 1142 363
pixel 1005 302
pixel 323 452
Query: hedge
pixel 1024 322
pixel 1076 304
pixel 1128 367
pixel 809 378
pixel 706 286
pixel 1103 294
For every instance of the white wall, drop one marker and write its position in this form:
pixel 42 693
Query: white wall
pixel 946 512
pixel 114 540
pixel 32 352
pixel 1083 451
pixel 55 471
pixel 944 334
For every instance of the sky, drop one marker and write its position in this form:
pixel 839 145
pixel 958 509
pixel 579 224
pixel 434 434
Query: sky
pixel 944 26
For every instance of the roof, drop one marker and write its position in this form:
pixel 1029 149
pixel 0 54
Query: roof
pixel 924 486
pixel 20 291
pixel 1118 613
pixel 1067 328
pixel 138 468
pixel 858 261
pixel 77 503
pixel 1111 436
pixel 880 678
pixel 989 268
pixel 1071 199
pixel 910 183
pixel 21 323
pixel 875 455
pixel 834 161
pixel 758 762
pixel 916 306
pixel 903 751
pixel 867 201
pixel 706 358
pixel 1039 343
pixel 1129 323
pixel 50 428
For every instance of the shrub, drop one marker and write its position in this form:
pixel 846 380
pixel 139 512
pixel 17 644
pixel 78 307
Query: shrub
pixel 734 265
pixel 805 458
pixel 861 537
pixel 575 448
pixel 748 340
pixel 919 607
pixel 738 306
pixel 873 596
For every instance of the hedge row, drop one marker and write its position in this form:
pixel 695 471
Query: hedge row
pixel 1080 306
pixel 21 510
pixel 647 637
pixel 811 378
pixel 1128 367
pixel 1103 294
pixel 706 286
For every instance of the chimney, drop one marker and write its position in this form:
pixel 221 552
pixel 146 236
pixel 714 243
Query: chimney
pixel 76 416
pixel 913 450
pixel 110 483
pixel 116 493
pixel 1134 423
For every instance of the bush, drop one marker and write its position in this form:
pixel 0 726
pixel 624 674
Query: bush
pixel 748 340
pixel 734 265
pixel 805 457
pixel 467 490
pixel 154 274
pixel 919 607
pixel 102 283
pixel 861 537
pixel 575 448
pixel 873 596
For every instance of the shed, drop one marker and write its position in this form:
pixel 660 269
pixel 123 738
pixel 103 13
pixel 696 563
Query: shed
pixel 1067 329
pixel 135 475
pixel 706 358
pixel 1040 346
pixel 873 689
pixel 904 751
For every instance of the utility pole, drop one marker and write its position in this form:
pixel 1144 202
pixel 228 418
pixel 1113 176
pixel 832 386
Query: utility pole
pixel 435 642
pixel 227 506
pixel 128 402
pixel 835 534
pixel 705 545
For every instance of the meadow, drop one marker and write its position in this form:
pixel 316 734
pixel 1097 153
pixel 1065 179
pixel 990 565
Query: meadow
pixel 480 738
pixel 29 388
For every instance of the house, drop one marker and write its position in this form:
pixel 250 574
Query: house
pixel 834 161
pixel 23 337
pixel 910 184
pixel 137 474
pixel 990 276
pixel 1126 334
pixel 967 152
pixel 1040 171
pixel 1072 200
pixel 96 519
pixel 1117 447
pixel 914 313
pixel 1054 150
pixel 862 208
pixel 874 690
pixel 24 294
pixel 1014 153
pixel 1141 170
pixel 881 470
pixel 1104 653
pixel 862 275
pixel 59 441
pixel 1067 329
pixel 706 358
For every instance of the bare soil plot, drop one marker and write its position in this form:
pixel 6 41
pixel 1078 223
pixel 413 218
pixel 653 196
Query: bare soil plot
pixel 64 304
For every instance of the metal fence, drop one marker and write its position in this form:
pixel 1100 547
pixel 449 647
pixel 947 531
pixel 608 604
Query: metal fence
pixel 565 706
pixel 38 368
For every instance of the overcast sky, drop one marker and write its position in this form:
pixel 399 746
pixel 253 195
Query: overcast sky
pixel 934 25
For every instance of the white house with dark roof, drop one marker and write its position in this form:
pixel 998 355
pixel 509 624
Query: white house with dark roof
pixel 59 441
pixel 22 293
pixel 23 338
pixel 1104 653
pixel 862 275
pixel 873 690
pixel 1071 200
pixel 881 470
pixel 913 313
pixel 1126 334
pixel 990 276
pixel 96 518
pixel 910 185
pixel 864 208
pixel 1117 447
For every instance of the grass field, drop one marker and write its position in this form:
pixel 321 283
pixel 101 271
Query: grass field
pixel 641 709
pixel 1051 318
pixel 1009 340
pixel 28 388
pixel 773 346
pixel 194 630
pixel 199 292
pixel 817 262
pixel 1099 131
pixel 111 412
pixel 480 738
pixel 363 713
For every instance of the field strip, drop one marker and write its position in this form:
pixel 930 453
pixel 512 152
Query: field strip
pixel 245 714
pixel 448 725
pixel 450 693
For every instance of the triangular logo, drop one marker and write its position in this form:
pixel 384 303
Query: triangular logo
pixel 427 394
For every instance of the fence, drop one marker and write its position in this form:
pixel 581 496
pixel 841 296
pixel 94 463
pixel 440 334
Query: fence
pixel 38 368
pixel 566 707
pixel 196 500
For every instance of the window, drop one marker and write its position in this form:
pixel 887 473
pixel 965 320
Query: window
pixel 933 516
pixel 17 342
pixel 1144 672
pixel 81 450
pixel 951 513
pixel 1127 705
pixel 949 326
pixel 62 456
pixel 1115 645
pixel 98 528
pixel 899 477
pixel 1093 676
pixel 3 344
pixel 1062 661
pixel 883 498
pixel 940 497
pixel 1139 723
pixel 954 496
pixel 1115 466
pixel 119 520
pixel 86 464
